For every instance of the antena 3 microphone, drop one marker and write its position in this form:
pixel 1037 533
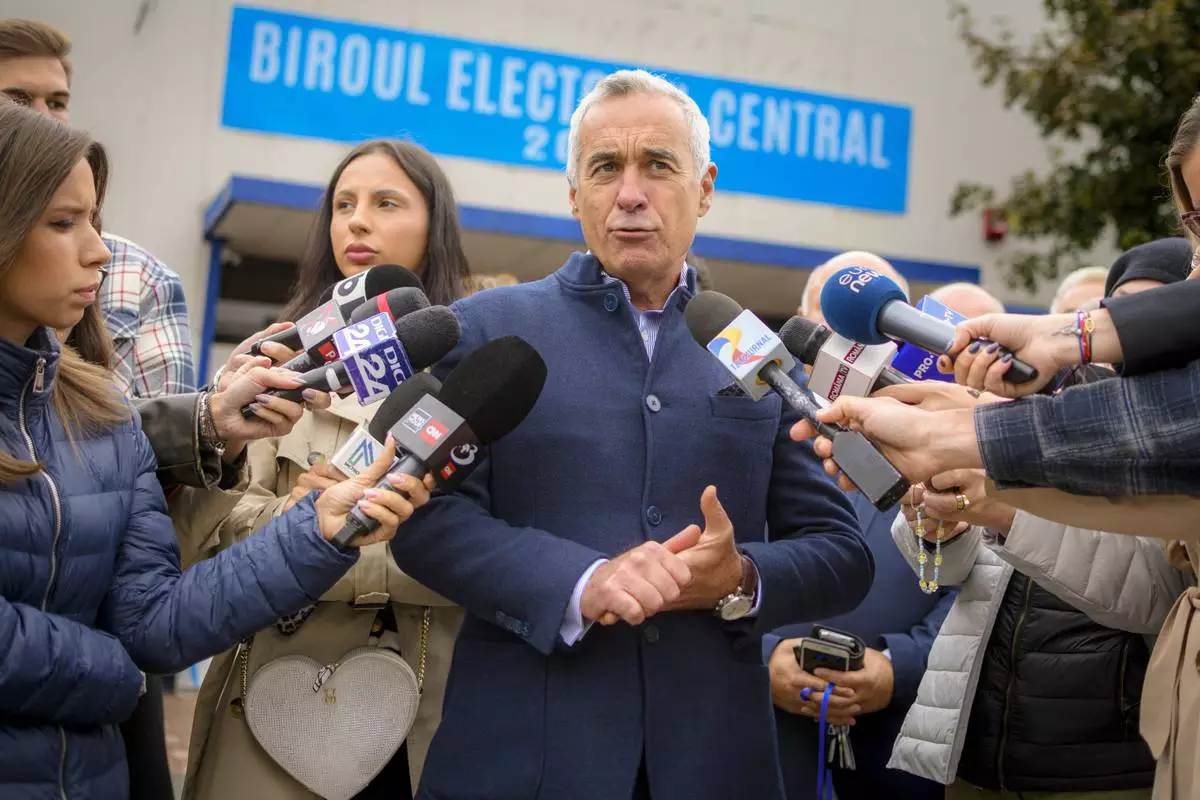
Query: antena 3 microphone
pixel 839 366
pixel 709 316
pixel 863 305
pixel 484 398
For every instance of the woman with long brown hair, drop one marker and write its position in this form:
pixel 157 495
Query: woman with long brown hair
pixel 90 588
pixel 387 202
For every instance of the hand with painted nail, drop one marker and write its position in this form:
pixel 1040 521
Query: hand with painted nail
pixel 273 416
pixel 389 508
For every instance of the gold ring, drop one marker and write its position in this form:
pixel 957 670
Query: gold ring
pixel 961 502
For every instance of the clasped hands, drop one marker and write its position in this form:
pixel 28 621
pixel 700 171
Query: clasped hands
pixel 693 570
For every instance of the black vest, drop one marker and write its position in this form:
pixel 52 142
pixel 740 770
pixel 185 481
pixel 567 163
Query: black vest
pixel 1057 704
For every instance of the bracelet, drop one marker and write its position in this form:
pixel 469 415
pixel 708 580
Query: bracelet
pixel 1085 326
pixel 208 426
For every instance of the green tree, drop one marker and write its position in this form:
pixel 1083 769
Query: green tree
pixel 1111 77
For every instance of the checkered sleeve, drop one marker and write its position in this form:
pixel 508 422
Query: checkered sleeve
pixel 1119 437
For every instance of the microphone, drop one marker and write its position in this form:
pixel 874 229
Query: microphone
pixel 366 442
pixel 867 307
pixel 377 355
pixel 840 366
pixel 718 322
pixel 396 304
pixel 336 305
pixel 484 398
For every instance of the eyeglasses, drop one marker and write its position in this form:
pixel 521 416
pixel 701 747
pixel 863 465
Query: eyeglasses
pixel 1191 221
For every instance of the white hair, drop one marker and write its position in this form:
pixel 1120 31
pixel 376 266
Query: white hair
pixel 639 81
pixel 1081 275
pixel 972 289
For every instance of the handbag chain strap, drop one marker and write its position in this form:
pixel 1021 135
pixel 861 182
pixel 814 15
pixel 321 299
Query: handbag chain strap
pixel 238 704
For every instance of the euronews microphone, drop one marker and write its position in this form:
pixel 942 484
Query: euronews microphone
pixel 839 365
pixel 377 355
pixel 397 303
pixel 860 304
pixel 483 399
pixel 338 304
pixel 759 361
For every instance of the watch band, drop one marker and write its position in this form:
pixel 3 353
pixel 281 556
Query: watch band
pixel 749 585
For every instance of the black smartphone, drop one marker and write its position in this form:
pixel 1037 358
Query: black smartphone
pixel 829 648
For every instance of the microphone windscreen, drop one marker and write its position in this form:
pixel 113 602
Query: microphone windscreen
pixel 428 334
pixel 397 303
pixel 326 295
pixel 397 404
pixel 852 299
pixel 386 277
pixel 495 387
pixel 708 314
pixel 804 338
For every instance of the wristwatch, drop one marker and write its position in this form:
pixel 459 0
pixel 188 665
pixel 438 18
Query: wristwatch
pixel 737 605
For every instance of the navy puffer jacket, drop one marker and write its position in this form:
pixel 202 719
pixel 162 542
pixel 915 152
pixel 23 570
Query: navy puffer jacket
pixel 90 589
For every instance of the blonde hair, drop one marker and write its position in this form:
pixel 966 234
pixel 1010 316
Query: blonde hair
pixel 26 38
pixel 1183 144
pixel 38 153
pixel 477 283
pixel 1081 275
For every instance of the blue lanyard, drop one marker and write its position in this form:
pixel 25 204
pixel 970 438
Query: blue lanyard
pixel 824 772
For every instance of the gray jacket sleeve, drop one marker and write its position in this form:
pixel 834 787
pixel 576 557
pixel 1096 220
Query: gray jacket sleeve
pixel 1122 582
pixel 172 424
pixel 958 554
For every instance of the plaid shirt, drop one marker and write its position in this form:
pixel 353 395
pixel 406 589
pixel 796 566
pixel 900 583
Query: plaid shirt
pixel 1119 437
pixel 146 314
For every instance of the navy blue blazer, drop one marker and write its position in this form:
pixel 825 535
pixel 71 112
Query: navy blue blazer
pixel 617 451
pixel 895 616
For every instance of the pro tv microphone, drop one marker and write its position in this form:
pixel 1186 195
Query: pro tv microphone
pixel 396 304
pixel 484 398
pixel 839 366
pixel 867 307
pixel 338 304
pixel 376 358
pixel 755 355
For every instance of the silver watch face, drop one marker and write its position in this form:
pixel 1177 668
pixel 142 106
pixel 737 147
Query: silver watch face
pixel 734 607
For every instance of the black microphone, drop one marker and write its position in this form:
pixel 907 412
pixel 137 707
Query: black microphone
pixel 338 303
pixel 421 339
pixel 840 366
pixel 484 398
pixel 735 336
pixel 396 303
pixel 867 307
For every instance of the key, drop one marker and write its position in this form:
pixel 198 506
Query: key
pixel 833 743
pixel 844 749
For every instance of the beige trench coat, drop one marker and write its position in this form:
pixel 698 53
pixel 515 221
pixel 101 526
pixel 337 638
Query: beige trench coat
pixel 225 762
pixel 1170 721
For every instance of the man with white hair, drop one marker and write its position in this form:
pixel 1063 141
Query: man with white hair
pixel 1083 288
pixel 969 299
pixel 615 603
pixel 810 300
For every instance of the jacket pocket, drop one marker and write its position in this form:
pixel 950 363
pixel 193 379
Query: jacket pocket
pixel 735 407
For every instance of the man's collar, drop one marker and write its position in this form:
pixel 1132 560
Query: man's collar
pixel 687 280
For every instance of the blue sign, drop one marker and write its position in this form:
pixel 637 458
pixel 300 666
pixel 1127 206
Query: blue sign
pixel 315 77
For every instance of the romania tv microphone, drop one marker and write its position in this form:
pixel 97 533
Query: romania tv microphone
pixel 862 305
pixel 759 362
pixel 377 355
pixel 839 366
pixel 338 303
pixel 397 303
pixel 483 399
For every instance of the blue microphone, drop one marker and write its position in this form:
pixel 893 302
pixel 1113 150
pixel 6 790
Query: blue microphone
pixel 862 305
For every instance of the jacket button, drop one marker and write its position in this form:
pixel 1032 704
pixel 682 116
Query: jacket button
pixel 650 633
pixel 611 302
pixel 653 515
pixel 653 403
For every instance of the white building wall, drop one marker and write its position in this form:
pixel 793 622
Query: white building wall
pixel 153 96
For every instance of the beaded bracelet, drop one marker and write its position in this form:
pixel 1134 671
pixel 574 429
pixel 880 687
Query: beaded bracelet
pixel 929 586
pixel 1085 326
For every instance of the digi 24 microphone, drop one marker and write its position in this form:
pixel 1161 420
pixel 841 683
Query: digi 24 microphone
pixel 377 355
pixel 839 366
pixel 338 304
pixel 755 356
pixel 396 304
pixel 484 398
pixel 867 307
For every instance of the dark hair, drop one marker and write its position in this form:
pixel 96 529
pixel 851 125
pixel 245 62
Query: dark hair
pixel 1183 143
pixel 445 270
pixel 38 154
pixel 24 38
